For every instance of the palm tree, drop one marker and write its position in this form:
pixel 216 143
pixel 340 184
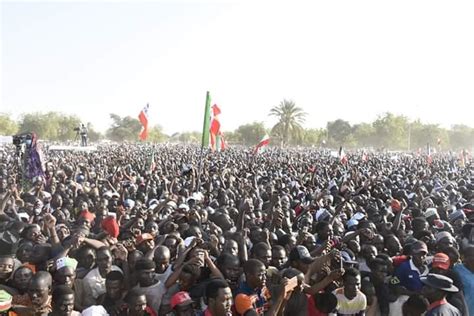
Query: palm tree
pixel 290 118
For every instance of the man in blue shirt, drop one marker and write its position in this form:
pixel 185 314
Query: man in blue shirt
pixel 409 272
pixel 466 274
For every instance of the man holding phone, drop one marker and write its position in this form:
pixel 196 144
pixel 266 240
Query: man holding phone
pixel 253 297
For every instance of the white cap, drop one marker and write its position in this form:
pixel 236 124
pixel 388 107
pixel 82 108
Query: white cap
pixel 188 241
pixel 95 310
pixel 184 206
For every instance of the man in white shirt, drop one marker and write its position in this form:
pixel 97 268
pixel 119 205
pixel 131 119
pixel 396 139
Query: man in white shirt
pixel 94 281
pixel 350 299
pixel 152 288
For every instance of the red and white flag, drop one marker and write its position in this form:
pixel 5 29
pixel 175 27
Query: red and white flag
pixel 223 143
pixel 143 117
pixel 264 142
pixel 429 158
pixel 364 156
pixel 215 126
pixel 342 156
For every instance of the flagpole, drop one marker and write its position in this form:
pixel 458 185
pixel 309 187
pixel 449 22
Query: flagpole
pixel 199 171
pixel 205 136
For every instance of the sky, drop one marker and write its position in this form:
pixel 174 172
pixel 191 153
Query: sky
pixel 352 60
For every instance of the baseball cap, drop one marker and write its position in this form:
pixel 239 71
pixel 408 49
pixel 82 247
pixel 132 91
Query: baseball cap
pixel 66 262
pixel 358 216
pixel 143 237
pixel 431 211
pixel 419 246
pixel 441 261
pixel 346 258
pixel 180 298
pixel 111 227
pixel 457 214
pixel 300 253
pixel 396 205
pixel 129 203
pixel 442 235
pixel 351 223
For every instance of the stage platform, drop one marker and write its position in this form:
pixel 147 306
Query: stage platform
pixel 72 148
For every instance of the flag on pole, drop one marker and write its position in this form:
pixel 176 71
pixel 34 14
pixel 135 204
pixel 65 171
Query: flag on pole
pixel 464 156
pixel 429 159
pixel 342 156
pixel 223 144
pixel 215 127
pixel 152 162
pixel 364 156
pixel 143 117
pixel 215 110
pixel 217 143
pixel 207 120
pixel 264 142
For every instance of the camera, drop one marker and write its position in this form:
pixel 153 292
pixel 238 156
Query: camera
pixel 76 129
pixel 22 139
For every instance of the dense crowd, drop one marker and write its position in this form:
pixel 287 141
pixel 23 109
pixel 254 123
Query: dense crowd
pixel 156 230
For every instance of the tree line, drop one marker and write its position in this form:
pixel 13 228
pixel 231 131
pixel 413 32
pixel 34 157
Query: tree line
pixel 388 131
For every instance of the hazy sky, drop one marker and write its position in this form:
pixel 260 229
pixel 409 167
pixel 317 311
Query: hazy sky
pixel 336 59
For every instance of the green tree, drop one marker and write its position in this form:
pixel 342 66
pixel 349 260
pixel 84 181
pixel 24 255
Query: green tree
pixel 93 134
pixel 290 120
pixel 364 134
pixel 64 126
pixel 313 137
pixel 251 134
pixel 190 137
pixel 391 131
pixel 123 128
pixel 36 123
pixel 461 137
pixel 423 134
pixel 50 125
pixel 55 126
pixel 233 137
pixel 156 135
pixel 338 132
pixel 7 125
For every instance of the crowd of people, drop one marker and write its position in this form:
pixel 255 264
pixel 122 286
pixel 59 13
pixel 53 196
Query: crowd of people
pixel 167 230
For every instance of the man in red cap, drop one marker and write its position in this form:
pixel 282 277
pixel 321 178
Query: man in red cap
pixel 145 242
pixel 182 304
pixel 111 227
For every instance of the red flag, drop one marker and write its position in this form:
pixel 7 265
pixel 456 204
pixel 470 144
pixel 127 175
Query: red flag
pixel 264 142
pixel 215 126
pixel 216 110
pixel 342 156
pixel 143 117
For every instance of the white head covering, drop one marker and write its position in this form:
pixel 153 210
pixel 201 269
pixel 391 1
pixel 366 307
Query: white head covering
pixel 95 310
